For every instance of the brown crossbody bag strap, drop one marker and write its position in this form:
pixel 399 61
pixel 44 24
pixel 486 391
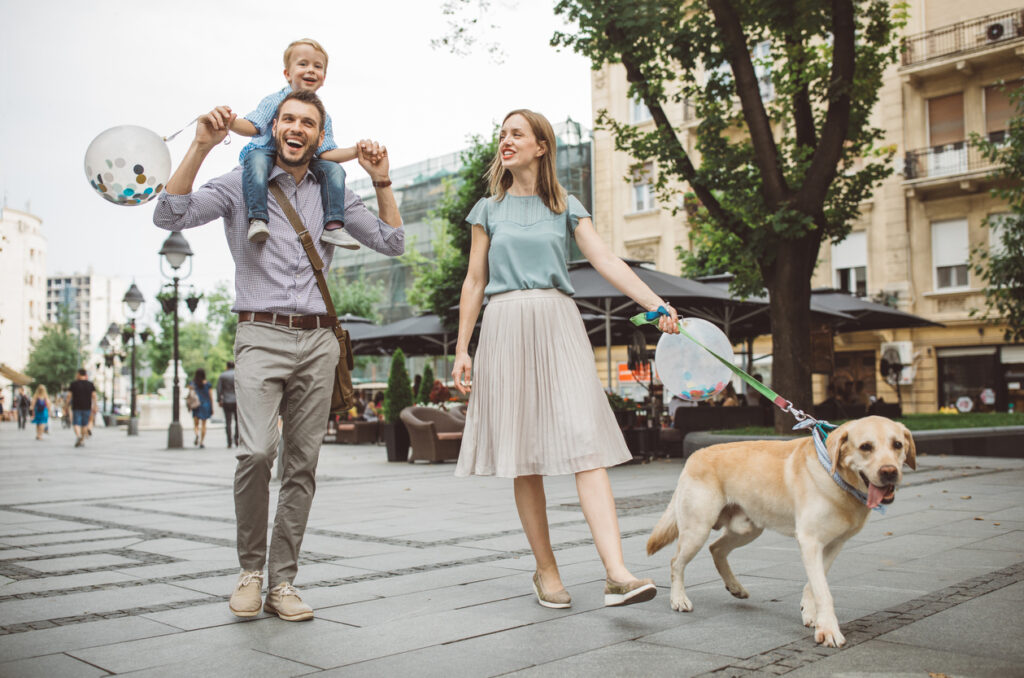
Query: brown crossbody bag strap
pixel 344 396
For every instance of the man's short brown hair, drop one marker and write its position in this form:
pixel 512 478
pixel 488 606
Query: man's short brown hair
pixel 308 98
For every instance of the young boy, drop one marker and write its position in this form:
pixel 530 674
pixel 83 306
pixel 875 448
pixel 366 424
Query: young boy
pixel 305 67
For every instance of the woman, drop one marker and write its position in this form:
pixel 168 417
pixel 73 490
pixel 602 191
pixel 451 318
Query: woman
pixel 537 407
pixel 204 410
pixel 41 408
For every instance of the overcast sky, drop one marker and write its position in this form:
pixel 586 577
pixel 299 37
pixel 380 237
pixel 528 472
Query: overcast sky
pixel 70 70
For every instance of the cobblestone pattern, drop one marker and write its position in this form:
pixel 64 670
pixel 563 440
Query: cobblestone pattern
pixel 12 570
pixel 786 658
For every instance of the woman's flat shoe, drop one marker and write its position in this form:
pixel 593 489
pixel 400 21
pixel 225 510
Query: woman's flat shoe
pixel 636 591
pixel 557 600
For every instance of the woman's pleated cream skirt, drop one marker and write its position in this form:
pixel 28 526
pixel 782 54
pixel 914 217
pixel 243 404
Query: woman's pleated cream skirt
pixel 537 406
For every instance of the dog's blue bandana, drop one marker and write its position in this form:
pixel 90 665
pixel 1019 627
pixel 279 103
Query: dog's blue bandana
pixel 820 431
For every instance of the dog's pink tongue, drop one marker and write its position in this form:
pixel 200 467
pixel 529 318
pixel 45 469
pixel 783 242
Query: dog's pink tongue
pixel 875 495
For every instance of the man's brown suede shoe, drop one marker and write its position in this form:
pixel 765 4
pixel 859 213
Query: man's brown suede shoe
pixel 283 600
pixel 246 599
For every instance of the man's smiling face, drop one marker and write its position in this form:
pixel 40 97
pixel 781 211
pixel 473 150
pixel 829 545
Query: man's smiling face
pixel 297 133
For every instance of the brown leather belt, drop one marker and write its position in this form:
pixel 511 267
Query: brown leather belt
pixel 295 322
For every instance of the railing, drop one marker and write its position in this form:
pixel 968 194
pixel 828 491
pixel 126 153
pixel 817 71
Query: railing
pixel 944 161
pixel 965 36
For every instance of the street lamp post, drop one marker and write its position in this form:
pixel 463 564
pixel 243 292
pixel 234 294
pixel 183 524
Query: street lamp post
pixel 176 251
pixel 107 361
pixel 134 300
pixel 113 332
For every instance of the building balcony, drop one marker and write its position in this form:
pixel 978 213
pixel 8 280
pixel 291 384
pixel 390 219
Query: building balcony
pixel 959 164
pixel 963 45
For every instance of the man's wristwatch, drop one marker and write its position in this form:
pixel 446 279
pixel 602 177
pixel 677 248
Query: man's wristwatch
pixel 382 184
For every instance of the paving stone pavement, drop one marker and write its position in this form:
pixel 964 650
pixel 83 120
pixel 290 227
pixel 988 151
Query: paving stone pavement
pixel 118 557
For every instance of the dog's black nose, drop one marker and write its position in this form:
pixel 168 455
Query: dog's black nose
pixel 889 474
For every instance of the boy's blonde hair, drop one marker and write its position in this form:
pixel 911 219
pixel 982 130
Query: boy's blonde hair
pixel 304 41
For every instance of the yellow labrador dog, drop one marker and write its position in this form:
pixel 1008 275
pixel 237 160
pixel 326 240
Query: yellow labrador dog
pixel 742 488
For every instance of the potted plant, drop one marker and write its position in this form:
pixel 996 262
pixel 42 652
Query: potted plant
pixel 426 383
pixel 398 397
pixel 623 408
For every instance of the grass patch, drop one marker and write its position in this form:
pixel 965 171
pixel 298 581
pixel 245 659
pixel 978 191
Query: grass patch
pixel 915 422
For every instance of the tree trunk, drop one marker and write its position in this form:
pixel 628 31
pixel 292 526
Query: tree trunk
pixel 788 280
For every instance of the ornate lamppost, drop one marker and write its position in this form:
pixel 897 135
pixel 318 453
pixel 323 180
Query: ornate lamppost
pixel 113 332
pixel 108 360
pixel 134 300
pixel 175 251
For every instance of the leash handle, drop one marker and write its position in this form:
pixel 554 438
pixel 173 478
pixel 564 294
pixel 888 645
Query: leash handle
pixel 227 139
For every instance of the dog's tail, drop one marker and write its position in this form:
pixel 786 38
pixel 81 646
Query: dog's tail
pixel 666 531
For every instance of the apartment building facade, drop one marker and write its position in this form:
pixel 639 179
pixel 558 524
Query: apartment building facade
pixel 22 285
pixel 911 244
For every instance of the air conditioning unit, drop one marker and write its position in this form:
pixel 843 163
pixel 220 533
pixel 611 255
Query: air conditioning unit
pixel 1000 30
pixel 901 352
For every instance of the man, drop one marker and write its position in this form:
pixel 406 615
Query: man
pixel 82 403
pixel 285 351
pixel 227 402
pixel 23 404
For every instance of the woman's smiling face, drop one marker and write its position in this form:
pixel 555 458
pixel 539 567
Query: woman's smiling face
pixel 517 144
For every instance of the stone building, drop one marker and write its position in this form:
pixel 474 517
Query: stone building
pixel 912 242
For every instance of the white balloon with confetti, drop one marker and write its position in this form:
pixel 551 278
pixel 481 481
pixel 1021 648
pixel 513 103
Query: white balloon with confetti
pixel 128 165
pixel 687 369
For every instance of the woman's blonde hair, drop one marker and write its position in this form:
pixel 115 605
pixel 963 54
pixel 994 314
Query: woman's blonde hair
pixel 550 191
pixel 304 41
pixel 40 392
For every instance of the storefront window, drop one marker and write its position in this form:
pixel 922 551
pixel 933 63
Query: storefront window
pixel 968 372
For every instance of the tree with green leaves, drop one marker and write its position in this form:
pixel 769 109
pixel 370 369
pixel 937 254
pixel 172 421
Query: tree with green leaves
pixel 783 90
pixel 1002 266
pixel 437 282
pixel 356 296
pixel 220 315
pixel 56 354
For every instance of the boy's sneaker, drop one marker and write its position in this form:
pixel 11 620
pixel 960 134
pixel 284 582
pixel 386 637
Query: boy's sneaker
pixel 246 599
pixel 339 237
pixel 258 231
pixel 284 601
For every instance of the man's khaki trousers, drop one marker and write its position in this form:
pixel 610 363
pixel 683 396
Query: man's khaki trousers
pixel 290 371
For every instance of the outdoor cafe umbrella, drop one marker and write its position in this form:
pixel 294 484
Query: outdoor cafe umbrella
pixel 419 335
pixel 595 295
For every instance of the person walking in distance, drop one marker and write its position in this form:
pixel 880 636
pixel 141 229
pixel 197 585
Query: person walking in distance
pixel 227 401
pixel 82 402
pixel 286 351
pixel 41 408
pixel 22 403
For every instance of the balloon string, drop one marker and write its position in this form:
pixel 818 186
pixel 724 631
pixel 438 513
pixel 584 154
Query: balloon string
pixel 227 139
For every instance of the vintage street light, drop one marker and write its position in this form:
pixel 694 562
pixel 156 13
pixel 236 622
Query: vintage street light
pixel 108 360
pixel 176 251
pixel 134 300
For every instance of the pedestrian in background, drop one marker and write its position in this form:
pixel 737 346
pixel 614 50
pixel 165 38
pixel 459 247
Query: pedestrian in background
pixel 82 402
pixel 41 407
pixel 537 406
pixel 227 401
pixel 23 405
pixel 202 412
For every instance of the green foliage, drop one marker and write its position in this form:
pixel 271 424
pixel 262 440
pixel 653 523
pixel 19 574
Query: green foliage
pixel 399 394
pixel 218 311
pixel 426 383
pixel 56 355
pixel 437 282
pixel 783 91
pixel 355 296
pixel 1002 267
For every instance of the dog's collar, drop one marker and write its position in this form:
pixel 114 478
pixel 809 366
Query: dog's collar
pixel 820 431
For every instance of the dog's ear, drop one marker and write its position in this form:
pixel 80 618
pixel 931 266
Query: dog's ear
pixel 835 443
pixel 908 440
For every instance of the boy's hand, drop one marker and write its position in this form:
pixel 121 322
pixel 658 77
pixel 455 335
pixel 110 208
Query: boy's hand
pixel 212 127
pixel 373 157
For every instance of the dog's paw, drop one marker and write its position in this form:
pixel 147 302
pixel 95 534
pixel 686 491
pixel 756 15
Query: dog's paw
pixel 829 637
pixel 737 590
pixel 807 616
pixel 682 604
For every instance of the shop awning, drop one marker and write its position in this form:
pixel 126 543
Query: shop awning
pixel 14 375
